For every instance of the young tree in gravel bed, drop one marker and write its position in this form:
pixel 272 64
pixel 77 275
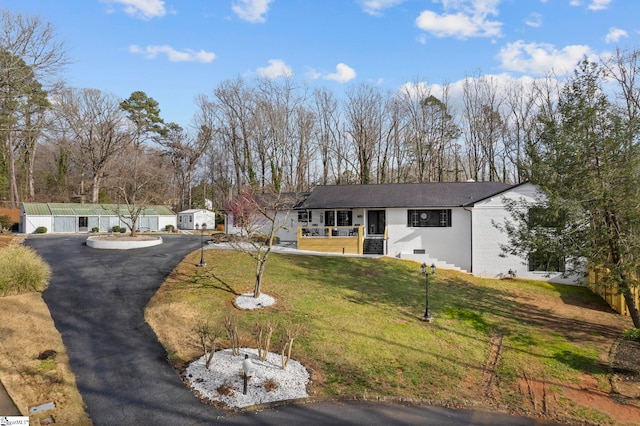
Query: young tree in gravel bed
pixel 258 216
pixel 208 335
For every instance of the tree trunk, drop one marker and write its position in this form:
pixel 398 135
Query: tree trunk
pixel 96 188
pixel 632 306
pixel 259 273
pixel 13 182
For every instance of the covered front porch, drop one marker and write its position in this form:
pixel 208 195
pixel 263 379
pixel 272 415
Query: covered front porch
pixel 332 239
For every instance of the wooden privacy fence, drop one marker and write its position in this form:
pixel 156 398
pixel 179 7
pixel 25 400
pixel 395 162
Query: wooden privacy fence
pixel 610 293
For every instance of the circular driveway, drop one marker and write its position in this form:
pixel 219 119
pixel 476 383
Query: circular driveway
pixel 97 300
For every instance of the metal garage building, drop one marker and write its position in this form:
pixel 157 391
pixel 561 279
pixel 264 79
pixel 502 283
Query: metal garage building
pixel 69 217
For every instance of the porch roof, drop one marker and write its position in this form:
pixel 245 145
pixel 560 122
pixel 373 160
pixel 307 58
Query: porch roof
pixel 410 195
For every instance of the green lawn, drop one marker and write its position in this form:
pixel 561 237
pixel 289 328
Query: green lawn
pixel 362 332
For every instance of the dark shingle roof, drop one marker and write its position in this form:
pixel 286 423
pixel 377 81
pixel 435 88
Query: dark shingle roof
pixel 431 194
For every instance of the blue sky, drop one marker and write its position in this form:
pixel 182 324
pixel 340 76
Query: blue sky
pixel 175 50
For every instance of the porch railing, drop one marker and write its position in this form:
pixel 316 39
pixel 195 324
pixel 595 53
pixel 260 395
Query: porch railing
pixel 331 239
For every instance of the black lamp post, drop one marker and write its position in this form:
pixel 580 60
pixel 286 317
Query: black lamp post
pixel 202 229
pixel 426 271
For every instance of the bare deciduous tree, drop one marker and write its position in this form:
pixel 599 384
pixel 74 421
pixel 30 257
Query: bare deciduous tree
pixel 98 131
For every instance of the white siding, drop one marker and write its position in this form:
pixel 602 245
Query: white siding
pixel 33 222
pixel 287 220
pixel 488 258
pixel 163 221
pixel 450 245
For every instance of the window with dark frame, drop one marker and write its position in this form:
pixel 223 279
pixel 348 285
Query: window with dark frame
pixel 544 262
pixel 304 216
pixel 429 218
pixel 344 218
pixel 550 220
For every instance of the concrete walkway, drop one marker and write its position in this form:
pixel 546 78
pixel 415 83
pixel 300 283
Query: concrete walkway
pixel 97 300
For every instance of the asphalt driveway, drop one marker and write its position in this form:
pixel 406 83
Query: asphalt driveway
pixel 97 300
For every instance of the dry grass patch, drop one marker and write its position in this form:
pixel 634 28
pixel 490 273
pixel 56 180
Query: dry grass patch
pixel 26 332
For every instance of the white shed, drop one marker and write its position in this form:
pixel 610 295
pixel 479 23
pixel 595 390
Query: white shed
pixel 73 217
pixel 188 219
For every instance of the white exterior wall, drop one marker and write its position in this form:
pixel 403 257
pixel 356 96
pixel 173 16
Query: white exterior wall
pixel 287 219
pixel 450 245
pixel 30 223
pixel 163 221
pixel 488 258
pixel 189 218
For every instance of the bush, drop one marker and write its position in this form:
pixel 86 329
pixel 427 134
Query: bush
pixel 41 230
pixel 169 228
pixel 260 238
pixel 95 229
pixel 123 229
pixel 116 228
pixel 632 334
pixel 22 270
pixel 5 222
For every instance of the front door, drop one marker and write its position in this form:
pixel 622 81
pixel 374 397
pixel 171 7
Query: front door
pixel 83 224
pixel 376 222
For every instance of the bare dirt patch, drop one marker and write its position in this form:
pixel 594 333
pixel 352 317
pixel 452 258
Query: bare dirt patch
pixel 581 320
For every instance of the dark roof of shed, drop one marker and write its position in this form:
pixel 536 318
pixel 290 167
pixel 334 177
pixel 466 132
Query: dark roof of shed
pixel 431 194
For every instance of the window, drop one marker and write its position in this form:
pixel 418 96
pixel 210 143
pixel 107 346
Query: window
pixel 429 218
pixel 546 218
pixel 344 218
pixel 304 216
pixel 545 262
pixel 329 218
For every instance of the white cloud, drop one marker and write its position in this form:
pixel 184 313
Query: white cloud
pixel 599 4
pixel 312 74
pixel 422 39
pixel 277 68
pixel 593 4
pixel 375 7
pixel 188 55
pixel 343 74
pixel 253 11
pixel 541 58
pixel 615 34
pixel 462 19
pixel 143 9
pixel 534 20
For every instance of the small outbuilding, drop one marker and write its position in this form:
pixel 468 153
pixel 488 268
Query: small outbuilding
pixel 72 217
pixel 194 218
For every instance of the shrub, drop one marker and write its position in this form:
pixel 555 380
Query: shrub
pixel 41 230
pixel 261 238
pixel 169 228
pixel 22 270
pixel 95 229
pixel 5 222
pixel 632 334
pixel 123 229
pixel 116 228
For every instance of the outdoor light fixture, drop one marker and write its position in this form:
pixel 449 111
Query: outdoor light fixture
pixel 426 271
pixel 202 229
pixel 247 368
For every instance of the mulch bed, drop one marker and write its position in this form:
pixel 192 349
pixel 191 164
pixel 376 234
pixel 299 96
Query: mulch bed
pixel 626 368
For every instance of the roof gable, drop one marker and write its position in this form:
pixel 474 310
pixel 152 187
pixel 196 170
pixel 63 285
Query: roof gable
pixel 426 195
